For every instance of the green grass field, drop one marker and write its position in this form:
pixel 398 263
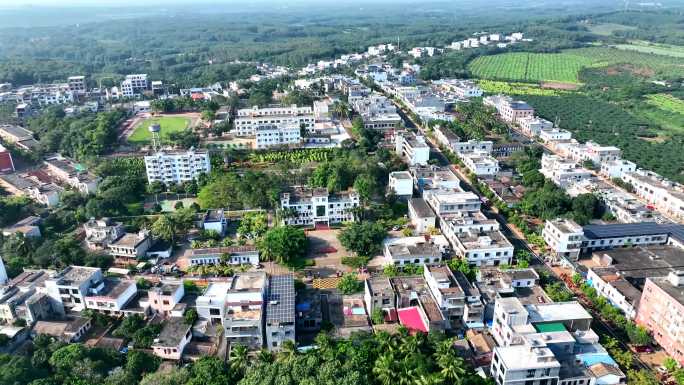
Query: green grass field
pixel 565 66
pixel 169 124
pixel 607 29
pixel 657 49
pixel 665 110
pixel 666 102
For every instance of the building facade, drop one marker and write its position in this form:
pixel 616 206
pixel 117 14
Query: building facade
pixel 176 167
pixel 309 207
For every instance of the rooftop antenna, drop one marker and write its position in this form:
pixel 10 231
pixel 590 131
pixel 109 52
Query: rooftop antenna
pixel 154 129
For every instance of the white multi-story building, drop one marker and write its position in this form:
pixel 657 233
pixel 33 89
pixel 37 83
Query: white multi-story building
pixel 69 288
pixel 564 237
pixel 235 255
pixel 77 84
pixel 377 111
pixel 422 217
pixel 249 119
pixel 33 187
pixel 452 225
pixel 446 137
pixel 548 343
pixel 434 177
pixel 280 311
pixel 555 135
pixel 458 300
pixel 666 196
pixel 176 167
pixel 563 172
pixel 533 126
pixel 111 295
pixel 601 154
pixel 511 111
pixel 482 146
pixel 480 164
pixel 413 148
pixel 309 207
pixel 100 233
pixel 271 135
pixel 617 168
pixel 414 250
pixel 484 248
pixel 133 85
pixel 531 363
pixel 446 201
pixel 464 89
pixel 401 183
pixel 617 290
pixel 215 220
pixel 72 173
pixel 239 306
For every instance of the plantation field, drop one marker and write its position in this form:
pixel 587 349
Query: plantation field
pixel 514 88
pixel 607 29
pixel 606 123
pixel 665 110
pixel 666 102
pixel 566 66
pixel 169 125
pixel 658 49
pixel 530 67
pixel 649 64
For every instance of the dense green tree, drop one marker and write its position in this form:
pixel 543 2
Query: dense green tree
pixel 164 228
pixel 283 244
pixel 349 284
pixel 174 376
pixel 363 238
pixel 210 371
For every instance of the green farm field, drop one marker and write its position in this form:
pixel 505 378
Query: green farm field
pixel 169 125
pixel 657 49
pixel 664 110
pixel 607 29
pixel 536 67
pixel 565 66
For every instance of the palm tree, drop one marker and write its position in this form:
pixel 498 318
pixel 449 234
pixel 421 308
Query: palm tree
pixel 386 342
pixel 264 356
pixel 288 350
pixel 427 379
pixel 452 368
pixel 323 341
pixel 341 110
pixel 384 369
pixel 238 359
pixel 409 345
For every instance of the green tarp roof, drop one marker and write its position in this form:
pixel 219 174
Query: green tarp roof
pixel 550 327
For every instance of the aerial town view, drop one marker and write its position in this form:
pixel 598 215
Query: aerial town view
pixel 305 192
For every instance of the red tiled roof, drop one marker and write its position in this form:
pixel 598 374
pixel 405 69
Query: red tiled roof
pixel 391 316
pixel 411 319
pixel 6 162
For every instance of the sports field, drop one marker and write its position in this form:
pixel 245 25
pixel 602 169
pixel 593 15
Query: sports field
pixel 169 125
pixel 565 66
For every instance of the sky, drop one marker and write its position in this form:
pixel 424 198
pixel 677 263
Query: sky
pixel 62 3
